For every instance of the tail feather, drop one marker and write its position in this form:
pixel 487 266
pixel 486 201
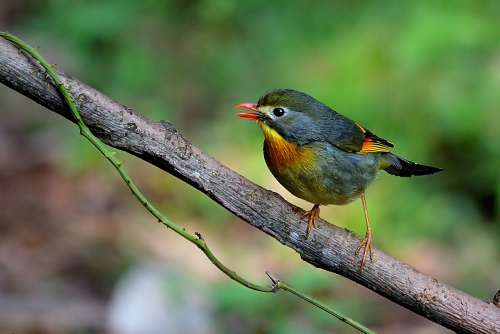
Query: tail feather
pixel 405 168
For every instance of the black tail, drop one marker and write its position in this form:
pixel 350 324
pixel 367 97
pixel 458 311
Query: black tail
pixel 402 167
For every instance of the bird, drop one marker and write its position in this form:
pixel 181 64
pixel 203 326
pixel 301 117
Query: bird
pixel 322 156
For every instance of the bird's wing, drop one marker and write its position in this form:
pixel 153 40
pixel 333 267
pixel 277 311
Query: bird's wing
pixel 359 140
pixel 373 143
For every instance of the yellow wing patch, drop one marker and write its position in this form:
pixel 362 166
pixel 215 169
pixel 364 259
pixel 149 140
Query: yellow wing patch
pixel 373 146
pixel 362 128
pixel 372 143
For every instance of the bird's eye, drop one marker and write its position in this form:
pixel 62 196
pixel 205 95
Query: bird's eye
pixel 278 112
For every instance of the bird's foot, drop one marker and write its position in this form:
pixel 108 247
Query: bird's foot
pixel 367 244
pixel 311 221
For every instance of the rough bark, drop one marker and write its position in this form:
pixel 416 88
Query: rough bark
pixel 329 247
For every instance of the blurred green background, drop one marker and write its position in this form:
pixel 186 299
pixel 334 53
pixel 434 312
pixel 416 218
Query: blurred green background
pixel 76 248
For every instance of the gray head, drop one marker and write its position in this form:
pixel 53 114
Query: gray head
pixel 297 117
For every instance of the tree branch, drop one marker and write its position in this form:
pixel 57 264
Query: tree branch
pixel 329 247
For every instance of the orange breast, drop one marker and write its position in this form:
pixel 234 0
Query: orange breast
pixel 283 154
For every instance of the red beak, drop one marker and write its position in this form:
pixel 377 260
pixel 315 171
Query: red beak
pixel 251 106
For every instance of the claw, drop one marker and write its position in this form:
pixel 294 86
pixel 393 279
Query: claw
pixel 367 244
pixel 311 221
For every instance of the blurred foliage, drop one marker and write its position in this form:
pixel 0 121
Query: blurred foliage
pixel 424 75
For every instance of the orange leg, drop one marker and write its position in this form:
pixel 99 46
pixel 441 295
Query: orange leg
pixel 367 242
pixel 311 221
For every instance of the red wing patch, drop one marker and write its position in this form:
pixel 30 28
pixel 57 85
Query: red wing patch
pixel 372 143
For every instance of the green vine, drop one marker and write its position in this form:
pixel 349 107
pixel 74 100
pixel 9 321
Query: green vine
pixel 196 239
